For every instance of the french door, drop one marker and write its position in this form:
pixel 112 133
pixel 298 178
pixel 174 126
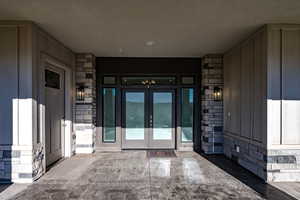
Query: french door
pixel 148 119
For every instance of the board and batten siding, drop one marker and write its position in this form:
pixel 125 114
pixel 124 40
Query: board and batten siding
pixel 8 77
pixel 16 84
pixel 245 90
pixel 284 85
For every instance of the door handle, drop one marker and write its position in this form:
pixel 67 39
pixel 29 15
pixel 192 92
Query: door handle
pixel 151 120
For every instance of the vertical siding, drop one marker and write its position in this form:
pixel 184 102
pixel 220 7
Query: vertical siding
pixel 226 92
pixel 245 89
pixel 247 63
pixel 283 85
pixel 8 81
pixel 291 86
pixel 235 75
pixel 274 86
pixel 259 93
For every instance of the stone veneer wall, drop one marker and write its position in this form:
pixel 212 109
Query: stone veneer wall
pixel 211 110
pixel 283 165
pixel 247 154
pixel 85 110
pixel 16 164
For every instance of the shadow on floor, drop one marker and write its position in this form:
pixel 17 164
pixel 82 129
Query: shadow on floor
pixel 4 186
pixel 260 186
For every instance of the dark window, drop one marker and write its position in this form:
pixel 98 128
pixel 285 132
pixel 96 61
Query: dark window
pixel 109 80
pixel 109 114
pixel 187 80
pixel 52 79
pixel 187 116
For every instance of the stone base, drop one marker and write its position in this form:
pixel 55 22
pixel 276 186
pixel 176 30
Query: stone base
pixel 85 137
pixel 210 148
pixel 16 164
pixel 283 165
pixel 251 157
pixel 284 176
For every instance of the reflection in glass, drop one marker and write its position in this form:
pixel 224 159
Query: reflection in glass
pixel 187 118
pixel 135 115
pixel 109 114
pixel 162 115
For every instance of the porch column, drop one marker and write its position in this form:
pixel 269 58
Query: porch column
pixel 85 108
pixel 212 104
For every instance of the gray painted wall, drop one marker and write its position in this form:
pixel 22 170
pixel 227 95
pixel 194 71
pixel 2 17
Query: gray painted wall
pixel 23 47
pixel 45 44
pixel 262 103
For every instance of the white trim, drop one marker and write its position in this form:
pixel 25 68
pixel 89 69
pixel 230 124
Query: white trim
pixel 283 147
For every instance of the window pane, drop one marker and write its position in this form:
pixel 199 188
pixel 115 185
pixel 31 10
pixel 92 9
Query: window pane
pixel 162 115
pixel 110 80
pixel 135 115
pixel 187 80
pixel 52 79
pixel 109 114
pixel 187 116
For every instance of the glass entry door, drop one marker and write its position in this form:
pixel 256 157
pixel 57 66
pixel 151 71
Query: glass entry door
pixel 148 120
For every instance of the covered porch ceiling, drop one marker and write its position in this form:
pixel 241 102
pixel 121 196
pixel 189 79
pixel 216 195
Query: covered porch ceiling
pixel 143 28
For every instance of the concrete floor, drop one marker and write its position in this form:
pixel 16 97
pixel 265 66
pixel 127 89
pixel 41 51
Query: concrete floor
pixel 130 175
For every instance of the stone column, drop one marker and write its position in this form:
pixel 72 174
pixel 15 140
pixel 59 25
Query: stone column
pixel 212 109
pixel 85 108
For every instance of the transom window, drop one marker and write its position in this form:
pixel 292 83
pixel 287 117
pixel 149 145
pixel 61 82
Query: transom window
pixel 148 80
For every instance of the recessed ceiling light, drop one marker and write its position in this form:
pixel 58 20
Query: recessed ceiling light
pixel 150 43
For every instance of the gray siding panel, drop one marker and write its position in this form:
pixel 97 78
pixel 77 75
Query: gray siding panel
pixel 235 100
pixel 226 92
pixel 274 85
pixel 291 86
pixel 245 79
pixel 258 95
pixel 247 59
pixel 8 81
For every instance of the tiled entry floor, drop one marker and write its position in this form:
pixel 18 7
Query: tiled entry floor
pixel 131 175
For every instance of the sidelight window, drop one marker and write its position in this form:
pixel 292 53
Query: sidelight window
pixel 187 115
pixel 109 114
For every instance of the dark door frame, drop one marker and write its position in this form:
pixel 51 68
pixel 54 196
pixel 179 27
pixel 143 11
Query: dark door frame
pixel 176 87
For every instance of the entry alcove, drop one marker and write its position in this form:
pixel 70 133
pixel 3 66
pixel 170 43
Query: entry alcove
pixel 161 95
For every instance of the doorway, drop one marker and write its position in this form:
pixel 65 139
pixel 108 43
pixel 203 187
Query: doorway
pixel 122 81
pixel 55 112
pixel 148 120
